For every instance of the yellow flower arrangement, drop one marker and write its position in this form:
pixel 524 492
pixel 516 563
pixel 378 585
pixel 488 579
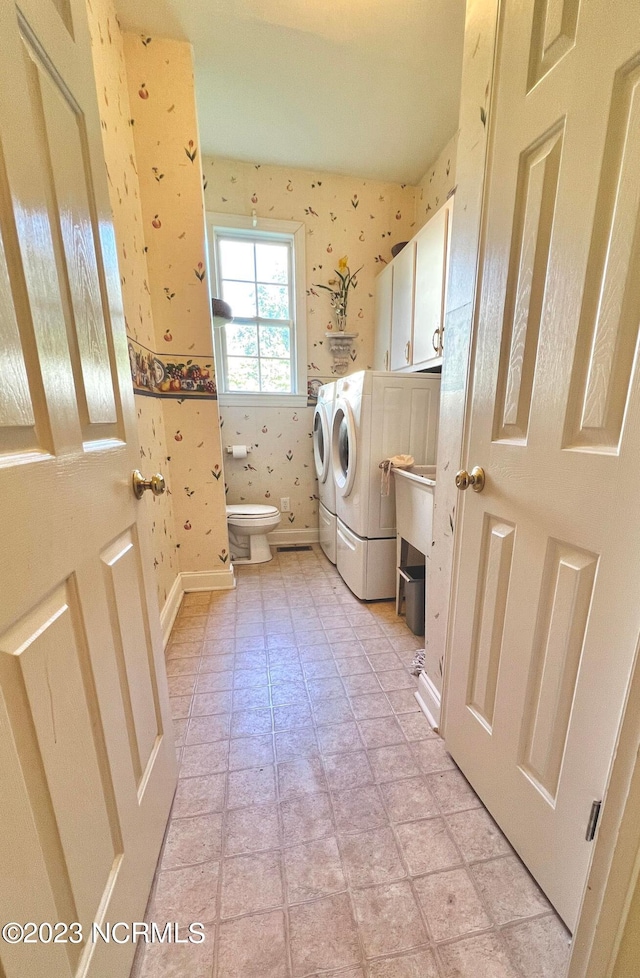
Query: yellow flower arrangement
pixel 338 290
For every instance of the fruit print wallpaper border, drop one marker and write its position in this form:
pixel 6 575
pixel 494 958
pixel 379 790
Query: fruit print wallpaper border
pixel 184 375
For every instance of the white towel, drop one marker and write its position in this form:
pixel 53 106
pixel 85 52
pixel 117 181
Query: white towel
pixel 395 462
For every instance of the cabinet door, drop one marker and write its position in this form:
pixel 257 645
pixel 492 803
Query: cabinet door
pixel 402 307
pixel 384 298
pixel 431 249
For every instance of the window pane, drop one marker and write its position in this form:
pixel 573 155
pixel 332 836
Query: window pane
pixel 273 302
pixel 236 259
pixel 276 376
pixel 241 297
pixel 242 374
pixel 275 341
pixel 272 263
pixel 242 340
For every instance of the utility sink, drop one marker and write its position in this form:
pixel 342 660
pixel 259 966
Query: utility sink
pixel 425 474
pixel 414 505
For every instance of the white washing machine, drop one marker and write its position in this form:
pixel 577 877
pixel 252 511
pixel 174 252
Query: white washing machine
pixel 376 415
pixel 322 418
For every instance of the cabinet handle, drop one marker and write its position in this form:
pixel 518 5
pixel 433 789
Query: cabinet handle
pixel 407 351
pixel 386 359
pixel 435 340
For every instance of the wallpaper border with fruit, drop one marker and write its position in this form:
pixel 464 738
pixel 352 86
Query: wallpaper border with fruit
pixel 184 375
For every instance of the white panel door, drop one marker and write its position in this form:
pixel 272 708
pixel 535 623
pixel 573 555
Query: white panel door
pixel 87 764
pixel 547 616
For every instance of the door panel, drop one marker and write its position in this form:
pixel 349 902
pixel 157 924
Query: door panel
pixel 87 762
pixel 495 571
pixel 544 632
pixel 610 313
pixel 133 647
pixel 553 33
pixel 402 306
pixel 533 221
pixel 565 598
pixel 53 707
pixel 69 174
pixel 383 311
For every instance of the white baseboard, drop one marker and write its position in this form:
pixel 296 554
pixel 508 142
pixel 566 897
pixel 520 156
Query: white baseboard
pixel 428 699
pixel 214 580
pixel 170 609
pixel 292 538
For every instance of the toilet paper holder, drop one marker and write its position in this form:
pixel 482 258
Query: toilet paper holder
pixel 229 448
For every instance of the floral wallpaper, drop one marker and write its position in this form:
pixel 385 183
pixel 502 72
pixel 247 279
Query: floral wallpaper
pixel 280 462
pixel 155 174
pixel 119 152
pixel 349 216
pixel 165 133
pixel 478 55
pixel 438 183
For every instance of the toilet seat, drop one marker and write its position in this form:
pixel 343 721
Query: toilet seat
pixel 251 512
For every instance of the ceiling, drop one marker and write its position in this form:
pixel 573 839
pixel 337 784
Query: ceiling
pixel 364 87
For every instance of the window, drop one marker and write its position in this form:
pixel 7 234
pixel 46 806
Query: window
pixel 261 355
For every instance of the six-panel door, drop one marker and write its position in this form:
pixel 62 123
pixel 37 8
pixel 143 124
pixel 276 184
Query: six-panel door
pixel 546 622
pixel 87 764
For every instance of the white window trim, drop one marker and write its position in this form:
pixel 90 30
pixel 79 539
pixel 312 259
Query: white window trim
pixel 298 231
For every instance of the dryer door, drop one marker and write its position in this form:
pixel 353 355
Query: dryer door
pixel 343 447
pixel 321 442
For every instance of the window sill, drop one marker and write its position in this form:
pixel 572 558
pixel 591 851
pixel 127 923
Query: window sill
pixel 263 400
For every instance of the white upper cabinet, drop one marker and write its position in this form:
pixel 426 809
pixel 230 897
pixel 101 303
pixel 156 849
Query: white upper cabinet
pixel 404 267
pixel 384 299
pixel 428 311
pixel 410 299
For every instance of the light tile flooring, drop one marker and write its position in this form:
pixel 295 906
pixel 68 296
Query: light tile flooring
pixel 319 826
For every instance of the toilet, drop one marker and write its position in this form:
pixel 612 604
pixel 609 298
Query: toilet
pixel 248 526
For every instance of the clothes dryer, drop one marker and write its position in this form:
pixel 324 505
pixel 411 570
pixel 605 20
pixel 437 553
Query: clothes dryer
pixel 376 415
pixel 322 418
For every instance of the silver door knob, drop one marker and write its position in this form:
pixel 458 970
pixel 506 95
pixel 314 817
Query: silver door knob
pixel 156 484
pixel 475 479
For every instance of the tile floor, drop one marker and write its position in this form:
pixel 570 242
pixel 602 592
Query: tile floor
pixel 319 826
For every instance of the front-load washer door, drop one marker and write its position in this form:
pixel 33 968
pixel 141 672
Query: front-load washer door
pixel 321 443
pixel 343 447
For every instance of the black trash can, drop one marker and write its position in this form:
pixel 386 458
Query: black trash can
pixel 414 594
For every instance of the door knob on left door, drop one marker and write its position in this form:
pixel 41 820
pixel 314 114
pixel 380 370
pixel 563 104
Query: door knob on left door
pixel 475 479
pixel 156 484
